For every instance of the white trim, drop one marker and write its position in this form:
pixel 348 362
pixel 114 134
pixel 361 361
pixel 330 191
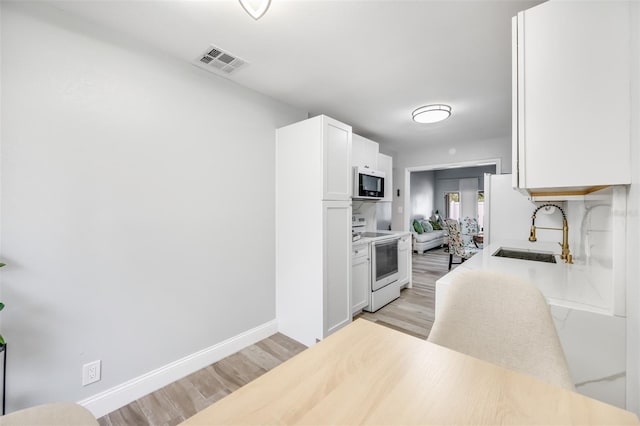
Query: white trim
pixel 407 179
pixel 127 392
pixel 461 164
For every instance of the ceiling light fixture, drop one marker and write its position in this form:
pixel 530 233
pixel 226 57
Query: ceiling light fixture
pixel 255 8
pixel 431 113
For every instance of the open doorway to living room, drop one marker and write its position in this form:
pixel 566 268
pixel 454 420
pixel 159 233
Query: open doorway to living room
pixel 454 192
pixel 442 195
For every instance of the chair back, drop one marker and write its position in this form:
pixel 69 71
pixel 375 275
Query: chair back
pixel 468 227
pixel 504 320
pixel 456 246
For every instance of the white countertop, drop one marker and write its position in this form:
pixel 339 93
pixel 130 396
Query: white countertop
pixel 576 286
pixel 389 234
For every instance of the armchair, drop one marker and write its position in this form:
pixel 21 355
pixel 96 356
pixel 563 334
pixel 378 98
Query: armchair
pixel 469 227
pixel 456 244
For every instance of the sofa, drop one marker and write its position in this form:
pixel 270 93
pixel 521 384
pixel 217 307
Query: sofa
pixel 428 238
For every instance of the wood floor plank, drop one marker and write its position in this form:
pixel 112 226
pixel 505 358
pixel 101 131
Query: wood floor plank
pixel 185 397
pixel 158 407
pixel 128 415
pixel 413 313
pixel 293 346
pixel 261 357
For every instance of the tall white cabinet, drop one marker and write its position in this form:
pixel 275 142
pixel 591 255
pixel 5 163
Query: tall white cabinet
pixel 313 228
pixel 571 85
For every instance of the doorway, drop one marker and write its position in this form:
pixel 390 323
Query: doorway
pixel 451 190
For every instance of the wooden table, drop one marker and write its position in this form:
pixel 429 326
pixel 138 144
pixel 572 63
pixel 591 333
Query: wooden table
pixel 367 373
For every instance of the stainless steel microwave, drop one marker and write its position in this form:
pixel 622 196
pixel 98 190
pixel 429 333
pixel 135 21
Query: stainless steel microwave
pixel 368 184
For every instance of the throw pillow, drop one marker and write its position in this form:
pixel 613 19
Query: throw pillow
pixel 426 226
pixel 417 226
pixel 436 226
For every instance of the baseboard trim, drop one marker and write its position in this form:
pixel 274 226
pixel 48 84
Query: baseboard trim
pixel 127 392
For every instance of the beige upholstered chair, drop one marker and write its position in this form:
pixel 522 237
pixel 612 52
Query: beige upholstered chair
pixel 504 320
pixel 59 414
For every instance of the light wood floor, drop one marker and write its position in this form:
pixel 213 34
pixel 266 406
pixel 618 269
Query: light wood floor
pixel 412 313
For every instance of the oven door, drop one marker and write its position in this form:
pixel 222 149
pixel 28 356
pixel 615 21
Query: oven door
pixel 384 267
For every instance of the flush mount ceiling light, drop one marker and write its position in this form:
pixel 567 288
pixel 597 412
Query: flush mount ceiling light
pixel 255 8
pixel 431 113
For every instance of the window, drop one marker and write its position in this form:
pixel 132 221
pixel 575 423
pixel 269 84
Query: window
pixel 481 210
pixel 452 205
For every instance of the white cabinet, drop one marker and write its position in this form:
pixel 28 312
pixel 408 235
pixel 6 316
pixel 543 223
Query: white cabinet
pixel 571 108
pixel 313 169
pixel 337 265
pixel 336 160
pixel 385 164
pixel 404 261
pixel 365 153
pixel 360 277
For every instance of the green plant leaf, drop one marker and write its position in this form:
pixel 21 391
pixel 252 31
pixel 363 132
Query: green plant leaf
pixel 2 342
pixel 2 264
pixel 1 306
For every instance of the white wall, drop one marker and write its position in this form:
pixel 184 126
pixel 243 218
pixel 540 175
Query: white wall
pixel 422 193
pixel 129 186
pixel 633 226
pixel 435 155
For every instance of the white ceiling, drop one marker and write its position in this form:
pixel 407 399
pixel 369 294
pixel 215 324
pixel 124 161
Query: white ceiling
pixel 366 63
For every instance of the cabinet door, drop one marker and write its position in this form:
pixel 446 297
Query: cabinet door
pixel 573 94
pixel 336 160
pixel 404 260
pixel 360 279
pixel 365 153
pixel 385 164
pixel 337 265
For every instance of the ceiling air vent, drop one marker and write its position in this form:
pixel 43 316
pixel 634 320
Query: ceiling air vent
pixel 217 60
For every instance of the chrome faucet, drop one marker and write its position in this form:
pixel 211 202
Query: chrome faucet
pixel 566 255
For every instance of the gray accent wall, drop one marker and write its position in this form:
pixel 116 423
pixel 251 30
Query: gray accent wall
pixel 428 187
pixel 423 186
pixel 138 212
pixel 448 180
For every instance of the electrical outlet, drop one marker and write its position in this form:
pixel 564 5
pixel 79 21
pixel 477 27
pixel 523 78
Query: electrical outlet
pixel 91 372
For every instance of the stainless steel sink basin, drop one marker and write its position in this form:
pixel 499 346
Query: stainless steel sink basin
pixel 525 255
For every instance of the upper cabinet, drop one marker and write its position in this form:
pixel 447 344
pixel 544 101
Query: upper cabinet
pixel 315 155
pixel 365 152
pixel 571 96
pixel 337 150
pixel 385 164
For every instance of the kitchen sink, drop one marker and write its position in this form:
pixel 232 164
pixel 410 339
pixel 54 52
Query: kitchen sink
pixel 526 255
